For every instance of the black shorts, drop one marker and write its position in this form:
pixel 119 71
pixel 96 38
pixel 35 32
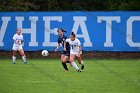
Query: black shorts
pixel 67 53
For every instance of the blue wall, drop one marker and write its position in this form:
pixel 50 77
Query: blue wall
pixel 102 31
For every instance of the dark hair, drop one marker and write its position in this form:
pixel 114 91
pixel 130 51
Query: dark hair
pixel 72 33
pixel 61 30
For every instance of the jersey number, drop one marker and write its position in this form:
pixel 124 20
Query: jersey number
pixel 72 46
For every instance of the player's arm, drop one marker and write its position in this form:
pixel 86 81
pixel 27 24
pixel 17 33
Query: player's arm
pixel 57 48
pixel 80 48
pixel 67 40
pixel 22 41
pixel 15 41
pixel 65 46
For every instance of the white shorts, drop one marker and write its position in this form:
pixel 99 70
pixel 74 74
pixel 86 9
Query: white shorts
pixel 75 53
pixel 17 48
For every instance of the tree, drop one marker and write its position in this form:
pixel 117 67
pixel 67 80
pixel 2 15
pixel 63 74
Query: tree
pixel 17 5
pixel 69 5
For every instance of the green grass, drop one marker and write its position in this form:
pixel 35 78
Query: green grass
pixel 48 76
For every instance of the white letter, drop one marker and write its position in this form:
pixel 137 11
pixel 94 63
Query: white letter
pixel 5 21
pixel 80 22
pixel 129 31
pixel 108 21
pixel 48 30
pixel 31 31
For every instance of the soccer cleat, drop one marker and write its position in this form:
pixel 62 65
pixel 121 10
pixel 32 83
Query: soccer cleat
pixel 79 70
pixel 66 70
pixel 25 62
pixel 82 67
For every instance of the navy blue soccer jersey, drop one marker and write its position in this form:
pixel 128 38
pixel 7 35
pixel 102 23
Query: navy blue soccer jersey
pixel 62 40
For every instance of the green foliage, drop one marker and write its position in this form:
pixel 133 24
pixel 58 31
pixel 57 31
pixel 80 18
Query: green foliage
pixel 130 5
pixel 17 5
pixel 69 5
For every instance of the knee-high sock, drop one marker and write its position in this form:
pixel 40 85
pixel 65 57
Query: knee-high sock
pixel 75 65
pixel 65 66
pixel 14 59
pixel 24 58
pixel 82 63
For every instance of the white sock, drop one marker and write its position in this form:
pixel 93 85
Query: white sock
pixel 75 65
pixel 14 59
pixel 82 63
pixel 24 58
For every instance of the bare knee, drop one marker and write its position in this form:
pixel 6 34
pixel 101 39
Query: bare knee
pixel 22 53
pixel 14 53
pixel 62 56
pixel 64 60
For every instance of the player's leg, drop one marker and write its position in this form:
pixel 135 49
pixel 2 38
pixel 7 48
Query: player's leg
pixel 72 57
pixel 63 63
pixel 14 56
pixel 65 58
pixel 80 61
pixel 68 55
pixel 62 56
pixel 68 61
pixel 21 51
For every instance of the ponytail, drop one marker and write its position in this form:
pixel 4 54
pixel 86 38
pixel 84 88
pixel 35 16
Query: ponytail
pixel 72 33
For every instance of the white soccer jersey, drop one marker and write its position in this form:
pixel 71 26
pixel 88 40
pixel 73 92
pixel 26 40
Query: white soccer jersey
pixel 17 38
pixel 74 45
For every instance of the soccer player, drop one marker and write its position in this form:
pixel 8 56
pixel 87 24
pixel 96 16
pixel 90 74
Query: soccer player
pixel 17 46
pixel 65 54
pixel 75 51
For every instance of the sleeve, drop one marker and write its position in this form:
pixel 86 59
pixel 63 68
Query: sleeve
pixel 79 43
pixel 67 40
pixel 22 37
pixel 14 37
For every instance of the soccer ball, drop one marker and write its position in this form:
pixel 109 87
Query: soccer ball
pixel 45 53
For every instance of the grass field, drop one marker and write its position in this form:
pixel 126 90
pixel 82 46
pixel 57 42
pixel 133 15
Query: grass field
pixel 48 76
